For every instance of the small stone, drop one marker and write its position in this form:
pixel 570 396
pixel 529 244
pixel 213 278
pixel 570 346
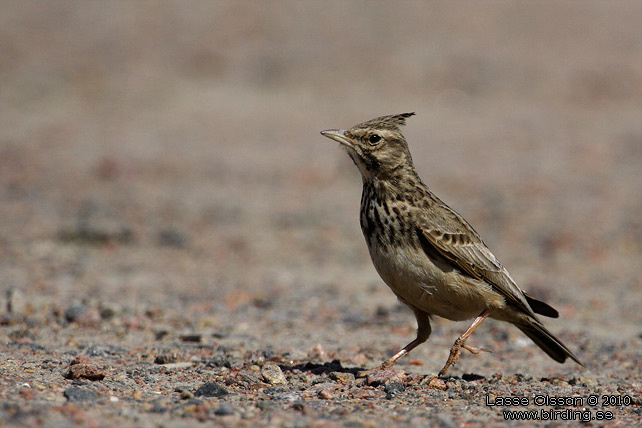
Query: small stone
pixel 76 393
pixel 160 334
pixel 366 393
pixel 166 358
pixel 192 337
pixel 80 359
pixel 85 371
pixel 265 404
pixel 326 394
pixel 301 407
pixel 393 388
pixel 247 379
pixel 82 314
pixel 272 390
pixel 436 383
pixel 286 396
pixel 179 365
pixel 107 310
pixel 74 311
pixel 342 378
pixel 273 375
pixel 385 376
pixel 414 379
pixel 186 395
pixel 584 381
pixel 455 386
pixel 211 389
pixel 104 351
pixel 218 360
pixel 224 409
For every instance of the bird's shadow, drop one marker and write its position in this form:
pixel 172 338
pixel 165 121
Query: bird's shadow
pixel 336 366
pixel 320 369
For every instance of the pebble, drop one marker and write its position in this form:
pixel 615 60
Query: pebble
pixel 437 383
pixel 218 360
pixel 166 358
pixel 211 389
pixel 81 367
pixel 343 378
pixel 393 388
pixel 77 312
pixel 385 376
pixel 224 409
pixel 179 365
pixel 326 394
pixel 286 396
pixel 365 394
pixel 85 371
pixel 104 351
pixel 273 375
pixel 192 337
pixel 583 381
pixel 108 310
pixel 77 393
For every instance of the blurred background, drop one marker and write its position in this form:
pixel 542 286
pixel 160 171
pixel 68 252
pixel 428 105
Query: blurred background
pixel 165 156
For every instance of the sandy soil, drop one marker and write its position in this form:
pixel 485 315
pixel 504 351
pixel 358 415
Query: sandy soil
pixel 179 245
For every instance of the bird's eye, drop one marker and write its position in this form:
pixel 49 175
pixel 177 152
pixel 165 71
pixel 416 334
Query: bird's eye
pixel 374 139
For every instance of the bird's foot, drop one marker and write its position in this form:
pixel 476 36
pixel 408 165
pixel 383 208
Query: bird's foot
pixel 380 368
pixel 455 352
pixel 474 350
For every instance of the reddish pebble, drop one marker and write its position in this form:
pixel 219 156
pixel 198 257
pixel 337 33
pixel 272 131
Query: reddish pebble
pixel 85 371
pixel 437 383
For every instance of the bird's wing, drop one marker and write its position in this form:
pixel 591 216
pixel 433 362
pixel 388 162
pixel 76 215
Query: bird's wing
pixel 454 239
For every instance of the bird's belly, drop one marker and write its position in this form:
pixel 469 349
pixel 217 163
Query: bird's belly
pixel 430 286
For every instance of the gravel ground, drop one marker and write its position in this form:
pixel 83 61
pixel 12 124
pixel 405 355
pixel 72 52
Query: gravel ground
pixel 180 247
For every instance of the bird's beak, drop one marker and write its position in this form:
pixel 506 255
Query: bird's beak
pixel 338 135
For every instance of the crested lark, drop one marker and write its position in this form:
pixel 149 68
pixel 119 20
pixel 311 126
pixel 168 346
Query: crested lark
pixel 430 257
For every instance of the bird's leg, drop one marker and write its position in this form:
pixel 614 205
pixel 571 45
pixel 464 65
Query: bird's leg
pixel 409 347
pixel 474 350
pixel 423 333
pixel 455 351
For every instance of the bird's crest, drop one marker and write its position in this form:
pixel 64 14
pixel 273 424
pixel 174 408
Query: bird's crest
pixel 392 122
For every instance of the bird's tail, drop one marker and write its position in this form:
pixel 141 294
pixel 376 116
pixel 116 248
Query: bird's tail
pixel 545 340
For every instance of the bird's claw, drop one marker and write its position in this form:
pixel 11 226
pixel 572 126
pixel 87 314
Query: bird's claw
pixel 475 350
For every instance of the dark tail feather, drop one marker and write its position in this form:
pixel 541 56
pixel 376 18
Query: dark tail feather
pixel 540 307
pixel 549 343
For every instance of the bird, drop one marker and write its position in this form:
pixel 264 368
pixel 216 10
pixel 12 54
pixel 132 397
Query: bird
pixel 430 256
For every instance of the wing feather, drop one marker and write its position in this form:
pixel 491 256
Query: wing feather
pixel 460 244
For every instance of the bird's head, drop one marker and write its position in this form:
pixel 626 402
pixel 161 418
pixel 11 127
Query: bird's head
pixel 377 146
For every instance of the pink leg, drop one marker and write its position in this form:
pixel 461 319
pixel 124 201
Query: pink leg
pixel 455 351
